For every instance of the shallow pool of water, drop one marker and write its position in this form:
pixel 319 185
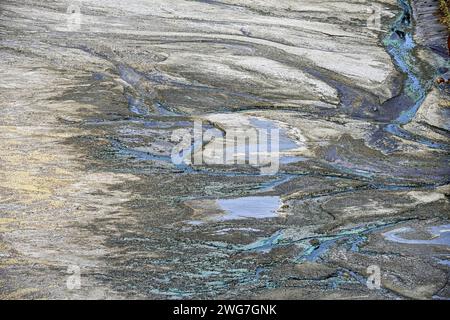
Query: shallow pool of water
pixel 439 235
pixel 249 207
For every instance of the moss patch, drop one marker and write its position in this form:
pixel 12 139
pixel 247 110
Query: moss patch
pixel 444 8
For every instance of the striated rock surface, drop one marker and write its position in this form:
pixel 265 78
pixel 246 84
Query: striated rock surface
pixel 92 94
pixel 430 32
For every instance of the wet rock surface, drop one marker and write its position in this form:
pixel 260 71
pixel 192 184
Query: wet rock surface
pixel 89 105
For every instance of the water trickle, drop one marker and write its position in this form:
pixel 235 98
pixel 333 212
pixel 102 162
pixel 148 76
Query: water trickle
pixel 402 51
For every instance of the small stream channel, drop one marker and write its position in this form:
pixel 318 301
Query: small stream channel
pixel 401 46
